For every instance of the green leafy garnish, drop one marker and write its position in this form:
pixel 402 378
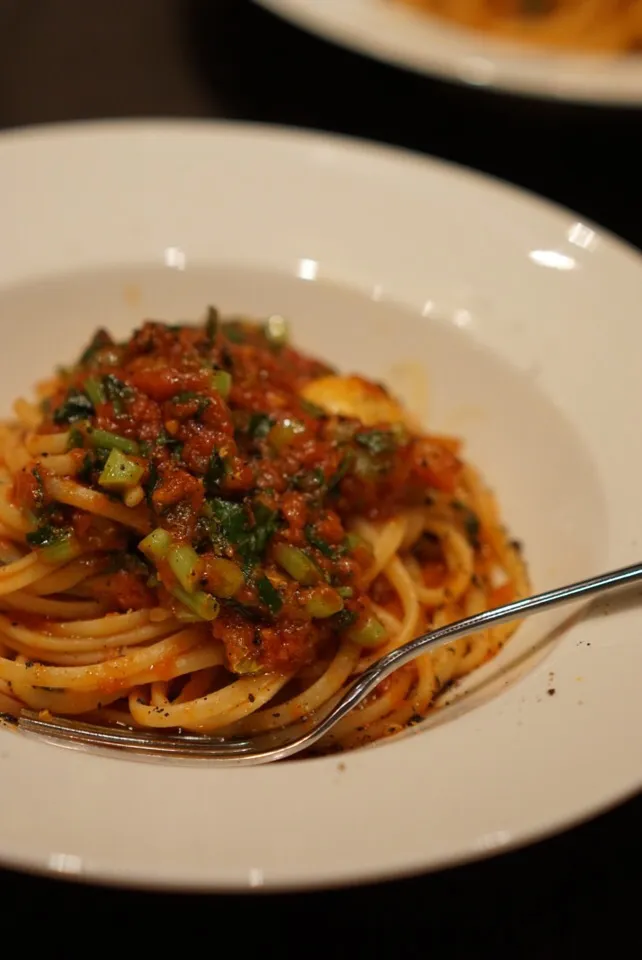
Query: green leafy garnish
pixel 152 481
pixel 211 325
pixel 234 331
pixel 76 440
pixel 340 472
pixel 214 474
pixel 313 410
pixel 236 528
pixel 99 340
pixel 311 481
pixel 266 525
pixel 86 470
pixel 116 392
pixel 321 545
pixel 269 595
pixel 76 406
pixel 471 522
pixel 260 425
pixel 46 535
pixel 377 442
pixel 188 396
pixel 344 619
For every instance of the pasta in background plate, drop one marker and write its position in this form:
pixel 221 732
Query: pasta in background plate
pixel 589 25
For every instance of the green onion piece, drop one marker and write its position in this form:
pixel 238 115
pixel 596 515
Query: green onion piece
pixel 353 541
pixel 246 666
pixel 368 633
pixel 299 566
pixel 94 390
pixel 276 330
pixel 111 441
pixel 156 544
pixel 61 552
pixel 323 603
pixel 119 472
pixel 283 433
pixel 200 603
pixel 222 382
pixel 224 577
pixel 345 592
pixel 184 563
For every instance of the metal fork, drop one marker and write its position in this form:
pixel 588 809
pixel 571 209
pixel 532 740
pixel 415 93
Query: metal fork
pixel 281 744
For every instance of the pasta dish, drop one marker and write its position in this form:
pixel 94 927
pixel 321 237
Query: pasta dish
pixel 203 529
pixel 590 25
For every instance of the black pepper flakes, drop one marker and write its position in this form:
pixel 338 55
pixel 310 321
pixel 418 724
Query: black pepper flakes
pixel 251 698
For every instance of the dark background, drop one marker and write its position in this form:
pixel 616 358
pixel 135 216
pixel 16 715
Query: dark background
pixel 78 59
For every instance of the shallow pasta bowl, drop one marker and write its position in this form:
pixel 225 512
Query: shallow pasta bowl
pixel 496 318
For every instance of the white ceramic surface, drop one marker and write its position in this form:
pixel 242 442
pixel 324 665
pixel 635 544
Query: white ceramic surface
pixel 408 38
pixel 496 316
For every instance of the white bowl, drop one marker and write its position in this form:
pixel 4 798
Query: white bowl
pixel 409 38
pixel 498 317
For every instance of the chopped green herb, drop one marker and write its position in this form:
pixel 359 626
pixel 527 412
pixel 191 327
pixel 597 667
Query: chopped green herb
pixel 321 545
pixel 99 340
pixel 76 440
pixel 470 520
pixel 260 425
pixel 39 494
pixel 152 481
pixel 341 471
pixel 77 406
pixel 85 472
pixel 313 410
pixel 47 535
pixel 166 440
pixel 377 442
pixel 309 480
pixel 344 619
pixel 269 595
pixel 117 392
pixel 266 524
pixel 188 396
pixel 214 474
pixel 211 325
pixel 234 331
pixel 236 528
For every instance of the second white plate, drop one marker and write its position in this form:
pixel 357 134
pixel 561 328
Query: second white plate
pixel 410 39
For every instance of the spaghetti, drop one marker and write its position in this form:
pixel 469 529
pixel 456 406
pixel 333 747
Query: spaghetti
pixel 202 529
pixel 585 25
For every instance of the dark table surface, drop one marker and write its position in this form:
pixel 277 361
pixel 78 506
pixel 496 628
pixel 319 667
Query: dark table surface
pixel 71 59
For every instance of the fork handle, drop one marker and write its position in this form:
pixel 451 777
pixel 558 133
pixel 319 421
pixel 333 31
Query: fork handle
pixel 517 610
